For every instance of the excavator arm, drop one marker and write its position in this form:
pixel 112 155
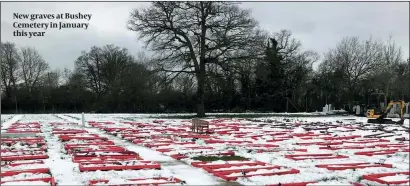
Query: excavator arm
pixel 381 119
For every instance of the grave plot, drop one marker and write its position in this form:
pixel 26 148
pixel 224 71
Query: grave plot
pixel 137 181
pixel 341 138
pixel 345 166
pixel 101 122
pixel 43 179
pixel 159 143
pixel 319 143
pixel 193 136
pixel 117 165
pixel 84 144
pixel 392 178
pixel 164 140
pixel 393 145
pixel 127 134
pixel 18 144
pixel 23 155
pixel 22 159
pixel 277 150
pixel 369 147
pixel 366 141
pixel 292 184
pixel 377 152
pixel 180 156
pixel 347 147
pixel 154 140
pixel 105 155
pixel 14 149
pixel 297 157
pixel 84 136
pixel 310 136
pixel 218 141
pixel 279 139
pixel 312 126
pixel 126 165
pixel 19 167
pixel 68 131
pixel 89 148
pixel 264 148
pixel 93 153
pixel 184 149
pixel 232 170
pixel 145 137
pixel 144 134
pixel 56 124
pixel 287 142
pixel 27 128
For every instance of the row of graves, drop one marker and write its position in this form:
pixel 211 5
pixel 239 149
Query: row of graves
pixel 225 148
pixel 216 147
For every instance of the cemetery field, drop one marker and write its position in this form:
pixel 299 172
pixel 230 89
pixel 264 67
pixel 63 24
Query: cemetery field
pixel 138 149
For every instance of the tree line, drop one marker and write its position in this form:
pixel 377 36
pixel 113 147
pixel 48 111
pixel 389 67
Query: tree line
pixel 205 57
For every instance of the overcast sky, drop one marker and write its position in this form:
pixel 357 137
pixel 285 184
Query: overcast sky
pixel 318 25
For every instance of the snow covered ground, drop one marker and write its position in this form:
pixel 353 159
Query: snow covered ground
pixel 5 117
pixel 7 120
pixel 270 140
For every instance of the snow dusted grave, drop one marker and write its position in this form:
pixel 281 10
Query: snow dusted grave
pixel 7 120
pixel 261 151
pixel 170 166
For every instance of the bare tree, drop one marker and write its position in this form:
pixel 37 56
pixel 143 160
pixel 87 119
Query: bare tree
pixel 401 82
pixel 103 67
pixel 287 46
pixel 408 76
pixel 65 75
pixel 297 63
pixel 9 67
pixel 392 57
pixel 33 67
pixel 190 35
pixel 357 60
pixel 90 64
pixel 52 79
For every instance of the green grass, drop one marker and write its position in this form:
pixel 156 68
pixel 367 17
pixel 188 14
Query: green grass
pixel 216 158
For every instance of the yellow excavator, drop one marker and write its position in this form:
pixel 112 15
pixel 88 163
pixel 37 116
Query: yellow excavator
pixel 380 117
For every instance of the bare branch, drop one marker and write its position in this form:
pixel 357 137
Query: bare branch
pixel 33 67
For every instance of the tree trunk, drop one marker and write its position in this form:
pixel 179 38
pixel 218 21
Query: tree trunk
pixel 385 100
pixel 200 91
pixel 350 103
pixel 201 73
pixel 15 102
pixel 408 73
